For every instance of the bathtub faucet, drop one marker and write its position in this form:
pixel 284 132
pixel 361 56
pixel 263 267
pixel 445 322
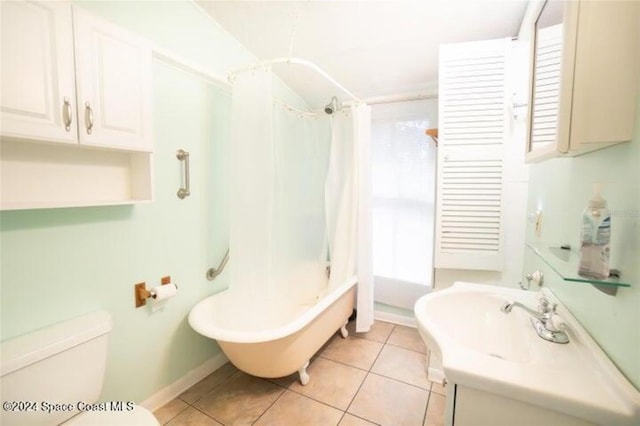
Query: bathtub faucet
pixel 542 320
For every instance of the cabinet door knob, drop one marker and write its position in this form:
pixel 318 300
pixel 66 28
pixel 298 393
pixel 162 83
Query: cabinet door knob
pixel 88 117
pixel 66 114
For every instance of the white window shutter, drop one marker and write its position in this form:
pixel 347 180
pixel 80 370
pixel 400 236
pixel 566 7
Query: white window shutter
pixel 473 124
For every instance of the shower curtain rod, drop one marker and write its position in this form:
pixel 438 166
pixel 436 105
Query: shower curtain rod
pixel 298 61
pixel 400 98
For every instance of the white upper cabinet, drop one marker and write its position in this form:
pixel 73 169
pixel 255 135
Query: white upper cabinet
pixel 72 78
pixel 99 96
pixel 584 66
pixel 38 98
pixel 113 83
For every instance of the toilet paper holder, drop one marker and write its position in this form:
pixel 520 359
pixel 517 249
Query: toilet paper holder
pixel 141 293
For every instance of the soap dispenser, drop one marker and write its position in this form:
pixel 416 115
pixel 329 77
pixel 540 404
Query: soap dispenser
pixel 595 237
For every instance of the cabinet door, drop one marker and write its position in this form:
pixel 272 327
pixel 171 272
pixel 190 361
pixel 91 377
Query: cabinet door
pixel 114 85
pixel 585 64
pixel 607 68
pixel 37 98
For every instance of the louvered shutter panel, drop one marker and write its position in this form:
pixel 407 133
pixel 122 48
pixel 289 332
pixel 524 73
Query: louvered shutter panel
pixel 472 128
pixel 546 87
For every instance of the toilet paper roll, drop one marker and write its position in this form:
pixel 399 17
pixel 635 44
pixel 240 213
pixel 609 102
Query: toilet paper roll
pixel 164 291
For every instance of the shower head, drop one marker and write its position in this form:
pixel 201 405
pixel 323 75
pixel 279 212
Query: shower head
pixel 332 106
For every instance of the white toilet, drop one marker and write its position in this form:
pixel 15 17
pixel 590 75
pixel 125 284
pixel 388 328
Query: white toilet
pixel 54 375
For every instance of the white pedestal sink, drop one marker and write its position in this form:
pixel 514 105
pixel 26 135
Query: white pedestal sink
pixel 488 355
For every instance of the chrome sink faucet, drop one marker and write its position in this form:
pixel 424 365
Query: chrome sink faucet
pixel 542 320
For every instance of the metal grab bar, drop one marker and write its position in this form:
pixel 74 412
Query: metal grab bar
pixel 183 155
pixel 212 273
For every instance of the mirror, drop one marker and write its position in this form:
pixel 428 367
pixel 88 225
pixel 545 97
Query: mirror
pixel 546 73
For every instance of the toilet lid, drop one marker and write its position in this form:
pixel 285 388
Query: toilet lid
pixel 139 416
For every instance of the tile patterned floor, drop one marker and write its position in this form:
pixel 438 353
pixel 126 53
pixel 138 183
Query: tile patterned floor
pixel 373 378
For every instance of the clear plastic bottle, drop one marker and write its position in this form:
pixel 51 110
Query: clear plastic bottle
pixel 595 237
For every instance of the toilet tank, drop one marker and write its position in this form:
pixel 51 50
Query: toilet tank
pixel 44 375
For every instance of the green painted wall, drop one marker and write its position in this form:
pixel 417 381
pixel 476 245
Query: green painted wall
pixel 61 263
pixel 561 189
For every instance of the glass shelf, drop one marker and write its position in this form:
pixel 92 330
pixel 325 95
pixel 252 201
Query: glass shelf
pixel 565 263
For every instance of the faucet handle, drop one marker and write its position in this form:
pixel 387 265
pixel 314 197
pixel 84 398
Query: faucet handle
pixel 545 306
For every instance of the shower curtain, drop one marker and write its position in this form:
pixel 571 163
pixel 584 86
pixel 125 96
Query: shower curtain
pixel 348 207
pixel 298 190
pixel 252 180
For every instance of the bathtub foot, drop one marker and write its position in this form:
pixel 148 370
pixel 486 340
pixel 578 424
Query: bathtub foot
pixel 304 376
pixel 343 330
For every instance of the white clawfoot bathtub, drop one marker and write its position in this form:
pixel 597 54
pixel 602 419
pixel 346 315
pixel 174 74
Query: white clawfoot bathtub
pixel 269 337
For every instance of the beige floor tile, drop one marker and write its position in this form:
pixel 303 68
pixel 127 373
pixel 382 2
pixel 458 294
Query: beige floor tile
pixel 192 417
pixel 435 410
pixel 351 420
pixel 295 410
pixel 379 331
pixel 408 338
pixel 170 410
pixel 402 364
pixel 389 402
pixel 196 391
pixel 332 383
pixel 240 400
pixel 285 381
pixel 360 353
pixel 438 388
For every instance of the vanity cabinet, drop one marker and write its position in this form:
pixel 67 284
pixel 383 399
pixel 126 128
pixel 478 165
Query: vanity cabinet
pixel 75 109
pixel 473 407
pixel 584 76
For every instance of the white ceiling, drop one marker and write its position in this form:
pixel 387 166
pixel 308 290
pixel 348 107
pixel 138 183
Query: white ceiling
pixel 373 48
